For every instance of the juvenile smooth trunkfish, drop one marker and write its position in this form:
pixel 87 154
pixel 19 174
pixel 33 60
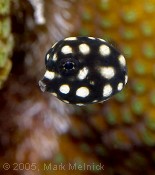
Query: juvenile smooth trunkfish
pixel 84 70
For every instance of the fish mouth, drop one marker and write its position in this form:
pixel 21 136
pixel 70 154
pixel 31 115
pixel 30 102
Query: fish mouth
pixel 42 86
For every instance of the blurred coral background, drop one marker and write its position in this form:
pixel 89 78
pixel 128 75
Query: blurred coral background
pixel 37 129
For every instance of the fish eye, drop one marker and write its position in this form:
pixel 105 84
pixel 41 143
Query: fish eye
pixel 68 66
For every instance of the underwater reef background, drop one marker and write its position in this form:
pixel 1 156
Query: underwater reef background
pixel 36 127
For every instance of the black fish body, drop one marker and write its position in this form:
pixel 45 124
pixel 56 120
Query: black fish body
pixel 84 70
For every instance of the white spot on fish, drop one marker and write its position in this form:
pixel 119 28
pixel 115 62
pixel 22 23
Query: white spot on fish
pixel 122 60
pixel 92 38
pixel 80 104
pixel 49 75
pixel 104 50
pixel 83 73
pixel 126 79
pixel 47 57
pixel 92 82
pixel 102 40
pixel 66 49
pixel 55 57
pixel 84 49
pixel 120 86
pixel 107 90
pixel 64 89
pixel 107 72
pixel 70 39
pixel 82 92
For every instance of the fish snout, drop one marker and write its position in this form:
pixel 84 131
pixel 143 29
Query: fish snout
pixel 42 86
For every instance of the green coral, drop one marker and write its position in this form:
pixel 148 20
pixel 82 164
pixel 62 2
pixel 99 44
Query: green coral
pixel 6 40
pixel 5 7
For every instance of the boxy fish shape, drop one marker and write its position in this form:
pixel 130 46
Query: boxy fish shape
pixel 84 70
